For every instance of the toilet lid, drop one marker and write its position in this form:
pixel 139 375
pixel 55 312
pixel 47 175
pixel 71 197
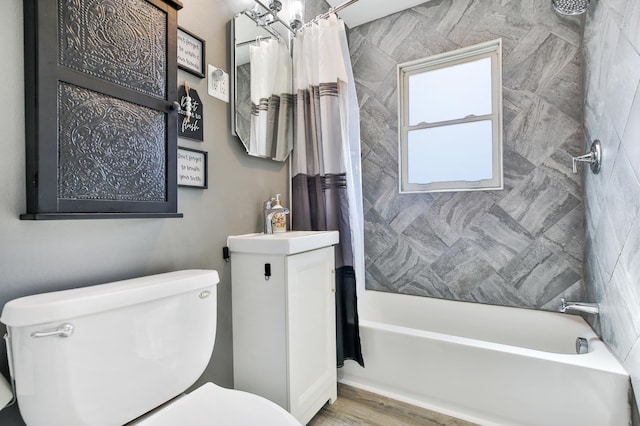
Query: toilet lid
pixel 211 404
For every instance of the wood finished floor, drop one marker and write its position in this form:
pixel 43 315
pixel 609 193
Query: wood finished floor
pixel 356 407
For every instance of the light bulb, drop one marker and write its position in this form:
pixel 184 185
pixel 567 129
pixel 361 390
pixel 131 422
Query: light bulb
pixel 296 14
pixel 275 6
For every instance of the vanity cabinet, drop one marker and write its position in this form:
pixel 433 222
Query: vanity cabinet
pixel 284 333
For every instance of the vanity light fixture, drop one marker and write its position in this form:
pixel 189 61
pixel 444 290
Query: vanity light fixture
pixel 296 14
pixel 275 6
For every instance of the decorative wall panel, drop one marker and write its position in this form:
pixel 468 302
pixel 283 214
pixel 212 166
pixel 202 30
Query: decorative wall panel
pixel 122 41
pixel 109 149
pixel 101 125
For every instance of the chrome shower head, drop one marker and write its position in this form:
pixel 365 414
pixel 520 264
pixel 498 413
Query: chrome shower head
pixel 570 7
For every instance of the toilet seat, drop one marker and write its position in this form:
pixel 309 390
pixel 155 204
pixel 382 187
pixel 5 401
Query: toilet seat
pixel 213 405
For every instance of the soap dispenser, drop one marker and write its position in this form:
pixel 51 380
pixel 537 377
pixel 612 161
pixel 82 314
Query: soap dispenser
pixel 279 218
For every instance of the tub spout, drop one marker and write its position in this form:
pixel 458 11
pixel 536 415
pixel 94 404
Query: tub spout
pixel 589 308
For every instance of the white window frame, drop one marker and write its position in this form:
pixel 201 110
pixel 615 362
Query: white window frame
pixel 492 50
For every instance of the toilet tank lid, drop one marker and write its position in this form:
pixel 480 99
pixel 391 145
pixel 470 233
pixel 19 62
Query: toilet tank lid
pixel 66 304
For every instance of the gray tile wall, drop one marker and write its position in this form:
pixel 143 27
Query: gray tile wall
pixel 612 197
pixel 521 246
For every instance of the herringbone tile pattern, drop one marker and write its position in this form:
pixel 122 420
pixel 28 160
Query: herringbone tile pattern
pixel 521 246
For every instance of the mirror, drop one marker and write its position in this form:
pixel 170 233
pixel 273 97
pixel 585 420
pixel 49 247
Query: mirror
pixel 245 33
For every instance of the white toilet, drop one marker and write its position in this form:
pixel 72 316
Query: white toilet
pixel 110 354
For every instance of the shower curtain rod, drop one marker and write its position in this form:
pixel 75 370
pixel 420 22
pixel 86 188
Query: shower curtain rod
pixel 267 27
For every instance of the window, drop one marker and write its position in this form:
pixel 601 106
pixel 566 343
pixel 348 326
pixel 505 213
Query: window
pixel 450 121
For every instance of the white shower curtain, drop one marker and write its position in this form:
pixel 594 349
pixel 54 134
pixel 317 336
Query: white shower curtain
pixel 327 184
pixel 271 132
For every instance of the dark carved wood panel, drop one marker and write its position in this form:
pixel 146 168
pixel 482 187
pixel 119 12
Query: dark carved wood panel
pixel 121 41
pixel 109 149
pixel 101 133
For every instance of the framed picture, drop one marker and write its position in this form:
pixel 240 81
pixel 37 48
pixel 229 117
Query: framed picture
pixel 191 53
pixel 192 168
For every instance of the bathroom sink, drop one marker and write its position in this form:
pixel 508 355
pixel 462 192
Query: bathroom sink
pixel 282 243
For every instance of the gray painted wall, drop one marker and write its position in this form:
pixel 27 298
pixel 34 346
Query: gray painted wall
pixel 43 256
pixel 521 246
pixel 612 197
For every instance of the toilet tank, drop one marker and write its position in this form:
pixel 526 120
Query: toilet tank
pixel 135 344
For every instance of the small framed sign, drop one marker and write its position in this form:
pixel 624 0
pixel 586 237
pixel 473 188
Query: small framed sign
pixel 192 168
pixel 191 53
pixel 191 125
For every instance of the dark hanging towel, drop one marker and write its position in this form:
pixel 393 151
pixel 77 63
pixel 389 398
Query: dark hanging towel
pixel 347 327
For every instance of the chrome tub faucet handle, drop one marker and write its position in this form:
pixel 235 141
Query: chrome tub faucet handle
pixel 592 157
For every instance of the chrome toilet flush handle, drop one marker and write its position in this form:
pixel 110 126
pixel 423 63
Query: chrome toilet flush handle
pixel 592 157
pixel 64 330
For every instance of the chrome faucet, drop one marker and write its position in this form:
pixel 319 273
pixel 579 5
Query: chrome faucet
pixel 268 212
pixel 589 308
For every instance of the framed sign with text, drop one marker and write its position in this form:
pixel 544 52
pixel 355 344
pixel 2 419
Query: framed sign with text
pixel 190 53
pixel 192 168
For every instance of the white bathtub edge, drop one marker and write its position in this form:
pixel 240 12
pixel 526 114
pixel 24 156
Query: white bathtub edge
pixel 594 359
pixel 422 404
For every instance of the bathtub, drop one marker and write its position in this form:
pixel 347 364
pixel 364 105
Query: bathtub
pixel 490 365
